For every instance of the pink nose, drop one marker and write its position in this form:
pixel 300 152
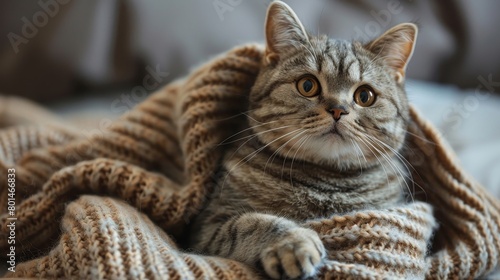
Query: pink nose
pixel 337 112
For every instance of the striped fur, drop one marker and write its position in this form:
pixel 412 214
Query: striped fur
pixel 294 161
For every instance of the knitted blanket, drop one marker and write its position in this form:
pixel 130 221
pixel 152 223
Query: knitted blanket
pixel 116 203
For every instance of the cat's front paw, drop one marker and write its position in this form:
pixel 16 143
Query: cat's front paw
pixel 297 255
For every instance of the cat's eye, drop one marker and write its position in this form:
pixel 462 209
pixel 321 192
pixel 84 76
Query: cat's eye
pixel 308 86
pixel 364 96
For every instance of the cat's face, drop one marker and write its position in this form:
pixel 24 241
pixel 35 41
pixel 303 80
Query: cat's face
pixel 328 100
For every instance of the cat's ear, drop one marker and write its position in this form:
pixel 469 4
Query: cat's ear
pixel 283 30
pixel 395 47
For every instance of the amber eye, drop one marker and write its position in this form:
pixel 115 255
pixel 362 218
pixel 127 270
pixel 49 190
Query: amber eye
pixel 364 96
pixel 308 86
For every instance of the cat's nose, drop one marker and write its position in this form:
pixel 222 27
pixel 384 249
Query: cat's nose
pixel 337 112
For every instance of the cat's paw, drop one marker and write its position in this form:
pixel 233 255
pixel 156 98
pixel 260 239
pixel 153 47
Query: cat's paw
pixel 297 255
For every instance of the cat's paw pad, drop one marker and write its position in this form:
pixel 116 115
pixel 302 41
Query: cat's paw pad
pixel 297 255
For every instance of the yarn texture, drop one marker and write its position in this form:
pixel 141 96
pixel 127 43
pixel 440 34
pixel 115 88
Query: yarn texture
pixel 116 204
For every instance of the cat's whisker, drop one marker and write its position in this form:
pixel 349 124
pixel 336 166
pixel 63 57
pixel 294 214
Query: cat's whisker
pixel 255 135
pixel 396 169
pixel 298 149
pixel 359 138
pixel 363 154
pixel 405 162
pixel 252 135
pixel 254 153
pixel 358 156
pixel 397 154
pixel 286 155
pixel 275 153
pixel 420 137
pixel 392 165
pixel 247 129
pixel 248 116
pixel 235 116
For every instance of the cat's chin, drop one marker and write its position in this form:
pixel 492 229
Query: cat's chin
pixel 331 147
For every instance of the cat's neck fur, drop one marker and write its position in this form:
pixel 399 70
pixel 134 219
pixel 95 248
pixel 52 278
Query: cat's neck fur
pixel 304 189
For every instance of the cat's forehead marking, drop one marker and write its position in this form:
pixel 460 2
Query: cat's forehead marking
pixel 354 70
pixel 342 67
pixel 348 63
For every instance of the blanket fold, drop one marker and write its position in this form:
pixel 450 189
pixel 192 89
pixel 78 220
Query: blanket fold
pixel 108 204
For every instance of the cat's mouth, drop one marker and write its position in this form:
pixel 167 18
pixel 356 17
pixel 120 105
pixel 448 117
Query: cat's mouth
pixel 335 130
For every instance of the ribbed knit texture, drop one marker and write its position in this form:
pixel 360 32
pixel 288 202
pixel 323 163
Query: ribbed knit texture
pixel 107 205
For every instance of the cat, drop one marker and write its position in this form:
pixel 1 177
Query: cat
pixel 326 122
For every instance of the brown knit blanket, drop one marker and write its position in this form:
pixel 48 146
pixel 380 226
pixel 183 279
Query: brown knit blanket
pixel 115 204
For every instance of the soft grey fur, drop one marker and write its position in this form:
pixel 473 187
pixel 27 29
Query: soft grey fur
pixel 297 162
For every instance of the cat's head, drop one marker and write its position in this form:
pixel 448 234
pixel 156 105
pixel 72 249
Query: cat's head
pixel 330 100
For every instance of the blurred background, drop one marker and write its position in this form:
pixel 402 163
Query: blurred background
pixel 100 58
pixel 53 49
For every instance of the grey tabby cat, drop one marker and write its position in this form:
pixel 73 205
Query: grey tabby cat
pixel 326 122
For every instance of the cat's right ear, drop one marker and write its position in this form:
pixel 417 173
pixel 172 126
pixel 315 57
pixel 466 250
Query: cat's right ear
pixel 283 31
pixel 395 47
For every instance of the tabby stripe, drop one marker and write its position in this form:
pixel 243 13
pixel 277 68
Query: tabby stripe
pixel 346 71
pixel 268 89
pixel 219 218
pixel 280 102
pixel 384 119
pixel 278 167
pixel 277 115
pixel 332 59
pixel 289 60
pixel 283 177
pixel 233 232
pixel 214 235
pixel 319 62
pixel 342 55
pixel 394 103
pixel 361 66
pixel 293 63
pixel 250 232
pixel 222 238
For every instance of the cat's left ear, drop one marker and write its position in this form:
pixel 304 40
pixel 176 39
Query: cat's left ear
pixel 283 30
pixel 395 47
